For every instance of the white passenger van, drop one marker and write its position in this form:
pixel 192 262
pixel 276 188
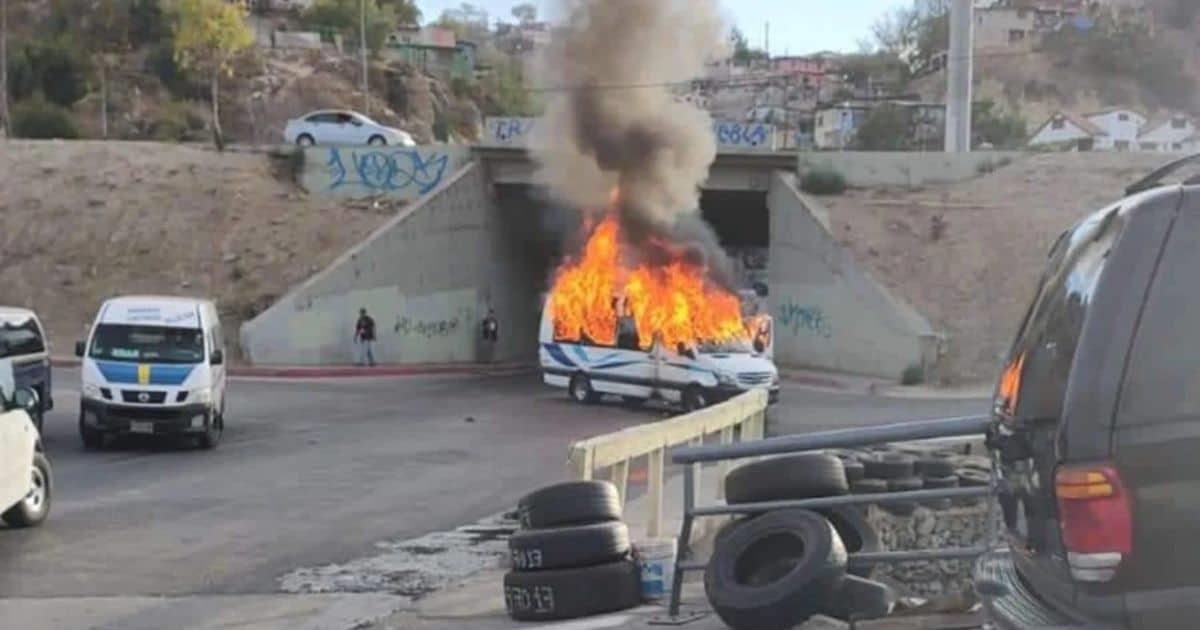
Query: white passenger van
pixel 693 377
pixel 153 366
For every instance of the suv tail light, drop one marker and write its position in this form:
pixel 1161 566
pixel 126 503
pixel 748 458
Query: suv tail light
pixel 1096 523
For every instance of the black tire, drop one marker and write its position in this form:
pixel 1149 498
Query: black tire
pixel 212 433
pixel 775 571
pixel 572 593
pixel 969 477
pixel 854 470
pixel 570 503
pixel 35 506
pixel 93 440
pixel 939 483
pixel 377 141
pixel 936 466
pixel 868 486
pixel 305 140
pixel 905 484
pixel 568 547
pixel 805 476
pixel 889 466
pixel 856 533
pixel 694 398
pixel 581 390
pixel 860 599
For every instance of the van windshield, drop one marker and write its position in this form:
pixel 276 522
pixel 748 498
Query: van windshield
pixel 732 346
pixel 147 344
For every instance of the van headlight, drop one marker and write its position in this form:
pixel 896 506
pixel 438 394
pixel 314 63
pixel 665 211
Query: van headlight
pixel 202 395
pixel 92 391
pixel 725 378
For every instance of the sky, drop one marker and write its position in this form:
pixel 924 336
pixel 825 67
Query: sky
pixel 797 26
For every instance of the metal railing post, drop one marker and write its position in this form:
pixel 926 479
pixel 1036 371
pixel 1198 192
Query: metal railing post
pixel 684 547
pixel 619 476
pixel 725 466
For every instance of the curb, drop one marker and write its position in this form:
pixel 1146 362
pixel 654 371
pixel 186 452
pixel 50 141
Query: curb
pixel 351 371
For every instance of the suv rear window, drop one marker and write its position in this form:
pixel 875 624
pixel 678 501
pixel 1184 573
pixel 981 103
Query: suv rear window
pixel 20 336
pixel 1034 384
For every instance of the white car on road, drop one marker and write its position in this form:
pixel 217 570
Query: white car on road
pixel 25 482
pixel 339 127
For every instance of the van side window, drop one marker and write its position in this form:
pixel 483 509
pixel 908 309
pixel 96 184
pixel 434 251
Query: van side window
pixel 1162 381
pixel 20 336
pixel 1046 346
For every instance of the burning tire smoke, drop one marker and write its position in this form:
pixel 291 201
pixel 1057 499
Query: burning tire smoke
pixel 619 127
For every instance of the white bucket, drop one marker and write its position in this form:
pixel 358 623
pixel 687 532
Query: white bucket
pixel 656 558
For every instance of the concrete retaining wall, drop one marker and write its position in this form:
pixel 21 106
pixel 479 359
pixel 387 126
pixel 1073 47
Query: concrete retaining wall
pixel 395 172
pixel 884 168
pixel 829 314
pixel 428 277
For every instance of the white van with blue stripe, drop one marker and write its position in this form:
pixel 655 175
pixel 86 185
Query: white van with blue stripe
pixel 153 366
pixel 694 377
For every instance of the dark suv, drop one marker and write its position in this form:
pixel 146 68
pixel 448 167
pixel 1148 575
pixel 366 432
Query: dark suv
pixel 1098 412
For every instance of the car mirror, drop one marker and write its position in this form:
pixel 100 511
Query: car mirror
pixel 217 358
pixel 26 399
pixel 80 348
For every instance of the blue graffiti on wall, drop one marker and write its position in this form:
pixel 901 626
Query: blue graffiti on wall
pixel 809 319
pixel 509 130
pixel 751 135
pixel 387 170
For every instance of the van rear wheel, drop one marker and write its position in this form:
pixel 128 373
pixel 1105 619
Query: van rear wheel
pixel 581 390
pixel 694 399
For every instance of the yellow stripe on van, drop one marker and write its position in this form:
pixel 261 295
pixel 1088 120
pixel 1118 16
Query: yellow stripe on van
pixel 143 374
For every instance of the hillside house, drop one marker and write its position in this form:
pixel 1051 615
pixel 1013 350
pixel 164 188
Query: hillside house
pixel 835 127
pixel 1121 128
pixel 808 72
pixel 1065 129
pixel 1171 134
pixel 435 50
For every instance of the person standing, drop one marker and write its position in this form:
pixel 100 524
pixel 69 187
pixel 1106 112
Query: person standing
pixel 490 330
pixel 364 338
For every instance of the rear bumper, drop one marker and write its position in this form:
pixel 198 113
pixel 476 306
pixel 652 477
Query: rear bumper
pixel 1022 609
pixel 163 419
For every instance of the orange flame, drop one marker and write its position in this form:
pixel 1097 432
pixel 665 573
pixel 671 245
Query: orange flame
pixel 675 301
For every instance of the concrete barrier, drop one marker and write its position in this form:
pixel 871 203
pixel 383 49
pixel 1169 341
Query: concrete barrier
pixel 745 414
pixel 394 172
pixel 904 168
pixel 829 313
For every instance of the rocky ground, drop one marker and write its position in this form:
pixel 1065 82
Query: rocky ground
pixel 83 221
pixel 968 255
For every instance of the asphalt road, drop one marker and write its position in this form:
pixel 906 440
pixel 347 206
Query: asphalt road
pixel 316 472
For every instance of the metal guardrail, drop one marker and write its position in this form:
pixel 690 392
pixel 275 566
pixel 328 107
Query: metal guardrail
pixel 843 438
pixel 742 417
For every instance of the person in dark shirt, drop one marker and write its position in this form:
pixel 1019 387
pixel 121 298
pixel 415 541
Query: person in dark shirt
pixel 364 338
pixel 489 334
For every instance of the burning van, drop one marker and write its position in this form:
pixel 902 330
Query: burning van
pixel 640 330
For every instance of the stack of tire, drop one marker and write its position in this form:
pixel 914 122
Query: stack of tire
pixel 892 471
pixel 777 569
pixel 572 555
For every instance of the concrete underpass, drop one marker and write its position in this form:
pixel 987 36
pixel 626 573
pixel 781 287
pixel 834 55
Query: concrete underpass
pixel 486 237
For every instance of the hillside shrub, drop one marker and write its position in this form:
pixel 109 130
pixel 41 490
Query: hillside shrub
pixel 823 181
pixel 36 118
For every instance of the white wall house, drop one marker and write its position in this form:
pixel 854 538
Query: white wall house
pixel 836 127
pixel 1064 128
pixel 1171 134
pixel 1121 128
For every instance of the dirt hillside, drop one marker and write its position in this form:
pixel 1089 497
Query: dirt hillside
pixel 974 280
pixel 82 221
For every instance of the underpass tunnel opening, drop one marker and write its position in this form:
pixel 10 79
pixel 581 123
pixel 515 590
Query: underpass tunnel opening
pixel 742 223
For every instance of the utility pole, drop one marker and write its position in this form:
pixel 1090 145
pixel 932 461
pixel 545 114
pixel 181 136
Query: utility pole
pixel 362 49
pixel 959 71
pixel 4 124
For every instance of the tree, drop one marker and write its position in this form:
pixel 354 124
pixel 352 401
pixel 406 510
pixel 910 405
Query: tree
pixel 916 33
pixel 999 129
pixel 102 28
pixel 885 129
pixel 525 12
pixel 742 52
pixel 342 16
pixel 209 35
pixel 406 11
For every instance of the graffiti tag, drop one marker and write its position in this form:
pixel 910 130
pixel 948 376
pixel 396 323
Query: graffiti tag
pixel 509 131
pixel 427 329
pixel 809 319
pixel 743 135
pixel 387 170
